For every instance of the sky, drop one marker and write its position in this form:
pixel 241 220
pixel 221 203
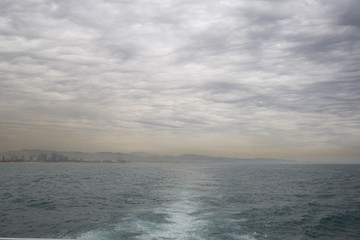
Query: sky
pixel 235 78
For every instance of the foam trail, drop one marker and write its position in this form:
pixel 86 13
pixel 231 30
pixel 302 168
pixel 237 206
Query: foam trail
pixel 183 222
pixel 188 216
pixel 177 221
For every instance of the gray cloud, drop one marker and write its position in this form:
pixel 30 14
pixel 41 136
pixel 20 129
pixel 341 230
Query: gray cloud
pixel 239 70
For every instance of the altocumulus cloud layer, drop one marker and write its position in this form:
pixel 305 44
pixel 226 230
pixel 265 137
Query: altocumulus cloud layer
pixel 236 78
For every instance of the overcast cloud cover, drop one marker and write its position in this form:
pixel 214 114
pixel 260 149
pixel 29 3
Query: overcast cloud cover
pixel 234 78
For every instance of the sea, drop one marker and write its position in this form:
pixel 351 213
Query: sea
pixel 106 201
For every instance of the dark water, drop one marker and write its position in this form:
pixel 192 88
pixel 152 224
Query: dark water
pixel 179 201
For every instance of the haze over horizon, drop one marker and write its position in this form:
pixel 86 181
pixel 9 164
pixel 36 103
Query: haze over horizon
pixel 246 79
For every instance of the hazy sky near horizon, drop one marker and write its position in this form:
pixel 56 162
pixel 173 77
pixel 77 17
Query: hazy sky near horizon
pixel 237 78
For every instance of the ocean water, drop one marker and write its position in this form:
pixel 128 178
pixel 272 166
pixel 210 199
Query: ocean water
pixel 179 201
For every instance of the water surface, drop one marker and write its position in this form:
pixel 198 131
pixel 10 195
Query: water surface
pixel 179 201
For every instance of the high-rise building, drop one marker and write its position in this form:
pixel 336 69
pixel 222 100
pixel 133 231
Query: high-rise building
pixel 53 157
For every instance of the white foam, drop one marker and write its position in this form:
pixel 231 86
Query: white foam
pixel 241 237
pixel 94 235
pixel 182 222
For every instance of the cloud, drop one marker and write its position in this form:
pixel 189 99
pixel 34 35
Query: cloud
pixel 226 69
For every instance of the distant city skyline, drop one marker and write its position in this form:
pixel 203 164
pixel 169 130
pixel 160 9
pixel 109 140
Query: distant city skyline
pixel 32 155
pixel 245 79
pixel 45 156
